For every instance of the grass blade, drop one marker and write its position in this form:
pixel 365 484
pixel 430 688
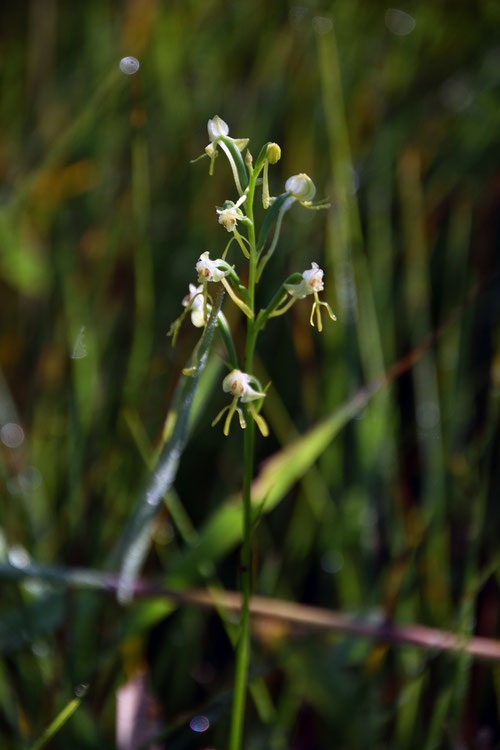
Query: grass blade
pixel 57 724
pixel 136 539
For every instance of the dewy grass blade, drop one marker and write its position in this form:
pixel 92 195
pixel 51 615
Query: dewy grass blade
pixel 135 541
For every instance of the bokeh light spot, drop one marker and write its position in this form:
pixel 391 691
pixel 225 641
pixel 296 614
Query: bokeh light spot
pixel 398 22
pixel 332 561
pixel 322 24
pixel 18 557
pixel 199 723
pixel 12 435
pixel 129 65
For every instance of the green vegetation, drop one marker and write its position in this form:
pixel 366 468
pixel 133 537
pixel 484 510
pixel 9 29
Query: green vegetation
pixel 375 494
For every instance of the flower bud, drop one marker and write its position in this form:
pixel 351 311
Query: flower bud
pixel 273 153
pixel 301 187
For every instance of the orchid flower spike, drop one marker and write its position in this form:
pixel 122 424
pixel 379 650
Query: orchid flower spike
pixel 312 283
pixel 238 383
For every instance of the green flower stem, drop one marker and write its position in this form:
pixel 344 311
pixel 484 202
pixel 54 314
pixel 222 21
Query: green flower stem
pixel 243 647
pixel 284 208
pixel 251 239
pixel 237 300
pixel 261 159
pixel 239 239
pixel 271 215
pixel 242 290
pixel 278 298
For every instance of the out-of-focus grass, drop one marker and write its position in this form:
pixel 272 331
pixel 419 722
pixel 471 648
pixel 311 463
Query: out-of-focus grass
pixel 101 221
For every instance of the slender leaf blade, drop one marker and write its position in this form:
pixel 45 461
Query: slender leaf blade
pixel 136 539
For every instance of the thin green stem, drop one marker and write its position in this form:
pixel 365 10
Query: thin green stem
pixel 251 239
pixel 243 647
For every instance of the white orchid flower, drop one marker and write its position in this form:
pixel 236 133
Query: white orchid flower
pixel 211 270
pixel 194 302
pixel 312 283
pixel 219 129
pixel 238 383
pixel 301 187
pixel 231 213
pixel 228 217
pixel 217 270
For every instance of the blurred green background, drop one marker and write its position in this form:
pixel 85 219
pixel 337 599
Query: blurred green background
pixel 394 112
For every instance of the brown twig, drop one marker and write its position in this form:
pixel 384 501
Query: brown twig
pixel 306 617
pixel 300 617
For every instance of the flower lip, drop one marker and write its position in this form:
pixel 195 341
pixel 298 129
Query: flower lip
pixel 216 128
pixel 301 187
